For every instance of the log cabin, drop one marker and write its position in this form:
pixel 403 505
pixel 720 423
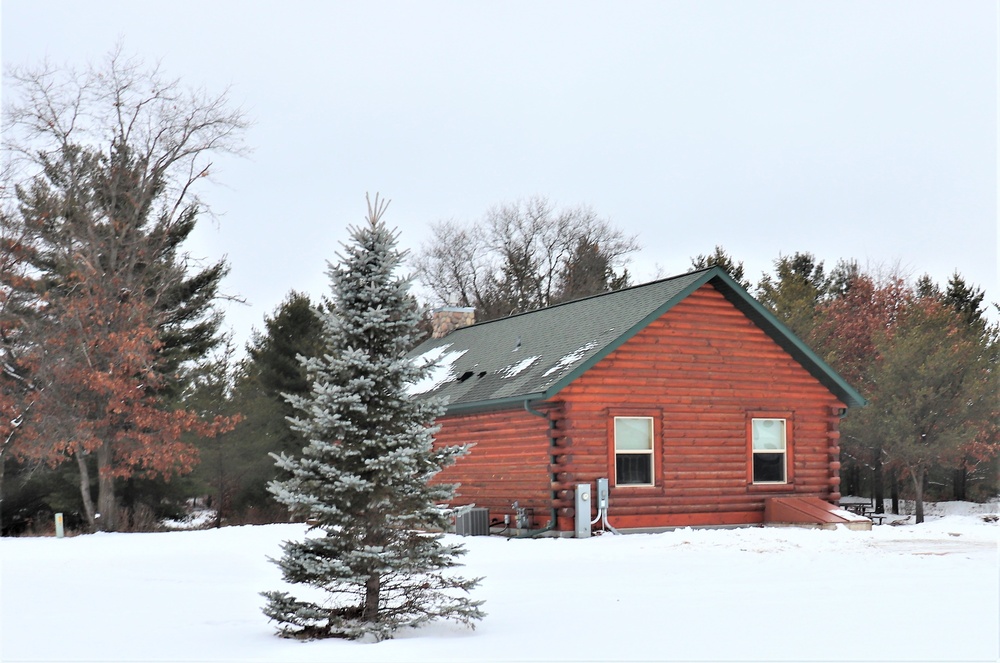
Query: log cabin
pixel 697 405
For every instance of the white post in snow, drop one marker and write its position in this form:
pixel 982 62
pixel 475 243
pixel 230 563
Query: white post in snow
pixel 59 526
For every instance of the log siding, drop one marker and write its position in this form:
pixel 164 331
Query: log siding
pixel 509 461
pixel 708 370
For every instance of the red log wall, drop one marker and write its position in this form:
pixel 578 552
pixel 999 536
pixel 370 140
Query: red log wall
pixel 510 461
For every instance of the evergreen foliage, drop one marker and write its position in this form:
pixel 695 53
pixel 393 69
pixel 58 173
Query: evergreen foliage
pixel 926 361
pixel 294 330
pixel 588 271
pixel 722 259
pixel 363 480
pixel 274 371
pixel 933 395
pixel 221 474
pixel 236 466
pixel 795 291
pixel 967 300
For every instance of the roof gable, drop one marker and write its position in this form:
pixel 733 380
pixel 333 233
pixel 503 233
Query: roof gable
pixel 532 356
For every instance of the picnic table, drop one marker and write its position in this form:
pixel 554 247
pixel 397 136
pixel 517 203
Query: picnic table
pixel 862 507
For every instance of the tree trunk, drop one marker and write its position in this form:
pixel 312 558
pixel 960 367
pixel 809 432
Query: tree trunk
pixel 373 587
pixel 107 505
pixel 918 492
pixel 960 477
pixel 849 476
pixel 878 487
pixel 221 466
pixel 894 490
pixel 88 502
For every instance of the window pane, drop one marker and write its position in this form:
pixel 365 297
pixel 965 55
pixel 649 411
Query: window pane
pixel 769 467
pixel 634 469
pixel 768 434
pixel 633 433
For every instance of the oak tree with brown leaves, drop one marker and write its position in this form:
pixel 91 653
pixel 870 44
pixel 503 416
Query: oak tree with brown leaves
pixel 102 193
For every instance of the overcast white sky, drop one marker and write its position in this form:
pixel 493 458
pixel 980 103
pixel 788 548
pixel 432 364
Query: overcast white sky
pixel 863 130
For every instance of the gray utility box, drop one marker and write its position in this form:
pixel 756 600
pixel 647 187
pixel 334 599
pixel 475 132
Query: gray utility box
pixel 581 506
pixel 473 522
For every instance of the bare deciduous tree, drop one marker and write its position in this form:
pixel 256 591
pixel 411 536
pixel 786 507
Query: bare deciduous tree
pixel 171 129
pixel 520 257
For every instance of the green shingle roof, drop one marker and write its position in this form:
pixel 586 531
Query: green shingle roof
pixel 532 356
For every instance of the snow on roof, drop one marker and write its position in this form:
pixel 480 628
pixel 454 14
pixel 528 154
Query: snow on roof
pixel 514 369
pixel 570 359
pixel 442 368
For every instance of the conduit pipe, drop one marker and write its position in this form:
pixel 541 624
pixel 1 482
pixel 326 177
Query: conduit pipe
pixel 602 512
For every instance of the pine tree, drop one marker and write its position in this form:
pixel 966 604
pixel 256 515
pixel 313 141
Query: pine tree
pixel 966 299
pixel 588 271
pixel 236 467
pixel 794 292
pixel 725 261
pixel 934 399
pixel 363 481
pixel 294 330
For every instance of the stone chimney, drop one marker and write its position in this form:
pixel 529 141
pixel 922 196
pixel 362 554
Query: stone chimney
pixel 448 319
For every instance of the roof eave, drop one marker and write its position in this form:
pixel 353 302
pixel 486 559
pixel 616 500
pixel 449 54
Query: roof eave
pixel 493 404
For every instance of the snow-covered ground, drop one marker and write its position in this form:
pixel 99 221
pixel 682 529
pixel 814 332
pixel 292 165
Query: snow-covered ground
pixel 911 592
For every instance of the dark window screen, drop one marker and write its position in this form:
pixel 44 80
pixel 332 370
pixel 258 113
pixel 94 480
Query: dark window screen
pixel 634 469
pixel 769 467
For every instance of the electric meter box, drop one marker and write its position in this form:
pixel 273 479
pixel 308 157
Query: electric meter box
pixel 603 493
pixel 582 510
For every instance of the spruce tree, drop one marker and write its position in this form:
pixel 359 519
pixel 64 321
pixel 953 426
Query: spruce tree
pixel 363 481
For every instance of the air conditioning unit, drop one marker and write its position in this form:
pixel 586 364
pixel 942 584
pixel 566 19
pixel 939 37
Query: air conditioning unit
pixel 473 522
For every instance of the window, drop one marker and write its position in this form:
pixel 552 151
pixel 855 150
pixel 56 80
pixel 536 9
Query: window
pixel 769 450
pixel 633 451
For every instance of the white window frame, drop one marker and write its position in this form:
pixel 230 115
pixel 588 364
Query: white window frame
pixel 783 450
pixel 637 452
